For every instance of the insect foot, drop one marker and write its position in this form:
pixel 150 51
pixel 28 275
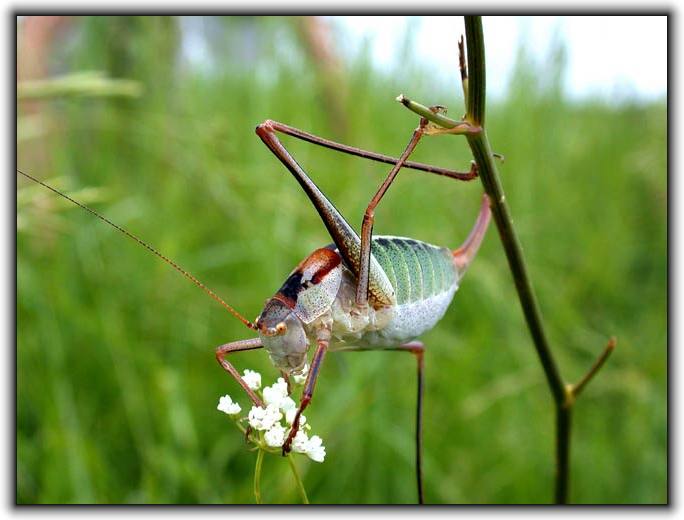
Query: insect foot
pixel 297 420
pixel 263 426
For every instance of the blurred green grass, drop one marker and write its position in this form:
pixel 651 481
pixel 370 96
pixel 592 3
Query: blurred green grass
pixel 116 379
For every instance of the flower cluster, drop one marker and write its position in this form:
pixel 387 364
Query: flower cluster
pixel 270 432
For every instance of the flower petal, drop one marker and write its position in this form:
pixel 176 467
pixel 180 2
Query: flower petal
pixel 252 378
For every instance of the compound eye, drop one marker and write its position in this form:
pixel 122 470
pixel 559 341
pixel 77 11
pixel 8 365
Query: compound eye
pixel 281 328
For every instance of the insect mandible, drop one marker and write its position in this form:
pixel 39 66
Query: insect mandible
pixel 359 293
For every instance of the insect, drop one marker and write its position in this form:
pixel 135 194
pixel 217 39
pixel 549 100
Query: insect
pixel 359 293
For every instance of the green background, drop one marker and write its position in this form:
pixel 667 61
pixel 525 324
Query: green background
pixel 117 384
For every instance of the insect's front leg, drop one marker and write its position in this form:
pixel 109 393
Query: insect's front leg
pixel 239 346
pixel 323 341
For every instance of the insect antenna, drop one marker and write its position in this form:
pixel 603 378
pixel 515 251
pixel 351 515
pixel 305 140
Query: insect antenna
pixel 130 235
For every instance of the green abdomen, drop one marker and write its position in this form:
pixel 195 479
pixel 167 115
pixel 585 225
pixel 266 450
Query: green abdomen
pixel 416 270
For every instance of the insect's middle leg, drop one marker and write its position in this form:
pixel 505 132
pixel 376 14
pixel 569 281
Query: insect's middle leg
pixel 417 349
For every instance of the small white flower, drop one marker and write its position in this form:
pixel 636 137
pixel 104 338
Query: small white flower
pixel 287 404
pixel 275 393
pixel 290 415
pixel 275 437
pixel 299 379
pixel 252 378
pixel 300 443
pixel 226 405
pixel 264 418
pixel 315 449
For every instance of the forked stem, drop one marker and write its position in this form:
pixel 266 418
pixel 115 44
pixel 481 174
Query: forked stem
pixel 475 88
pixel 575 390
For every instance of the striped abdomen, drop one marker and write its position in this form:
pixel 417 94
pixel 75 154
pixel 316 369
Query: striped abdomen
pixel 424 279
pixel 416 270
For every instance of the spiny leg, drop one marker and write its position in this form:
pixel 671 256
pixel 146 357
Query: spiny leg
pixel 309 385
pixel 369 217
pixel 239 346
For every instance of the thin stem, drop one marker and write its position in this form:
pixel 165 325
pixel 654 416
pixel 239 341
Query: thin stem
pixel 435 117
pixel 563 428
pixel 463 68
pixel 475 102
pixel 607 351
pixel 479 144
pixel 563 395
pixel 300 484
pixel 257 476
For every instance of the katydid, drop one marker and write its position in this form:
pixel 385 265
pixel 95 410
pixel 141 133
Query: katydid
pixel 359 293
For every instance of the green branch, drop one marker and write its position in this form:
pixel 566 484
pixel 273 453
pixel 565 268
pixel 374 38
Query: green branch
pixel 474 83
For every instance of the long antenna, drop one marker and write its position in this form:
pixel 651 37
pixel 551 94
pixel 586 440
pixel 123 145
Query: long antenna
pixel 149 248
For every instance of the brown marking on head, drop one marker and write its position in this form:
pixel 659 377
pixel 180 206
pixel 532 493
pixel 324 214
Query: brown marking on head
pixel 289 302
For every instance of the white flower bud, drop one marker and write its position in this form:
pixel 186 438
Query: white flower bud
pixel 264 418
pixel 275 437
pixel 287 404
pixel 300 443
pixel 226 405
pixel 290 415
pixel 252 378
pixel 275 393
pixel 315 449
pixel 299 379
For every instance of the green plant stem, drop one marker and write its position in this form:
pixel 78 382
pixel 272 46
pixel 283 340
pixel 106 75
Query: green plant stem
pixel 300 484
pixel 257 476
pixel 563 396
pixel 607 351
pixel 437 118
pixel 479 144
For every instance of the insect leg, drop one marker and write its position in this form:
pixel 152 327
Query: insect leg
pixel 417 348
pixel 369 216
pixel 239 346
pixel 373 156
pixel 307 393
